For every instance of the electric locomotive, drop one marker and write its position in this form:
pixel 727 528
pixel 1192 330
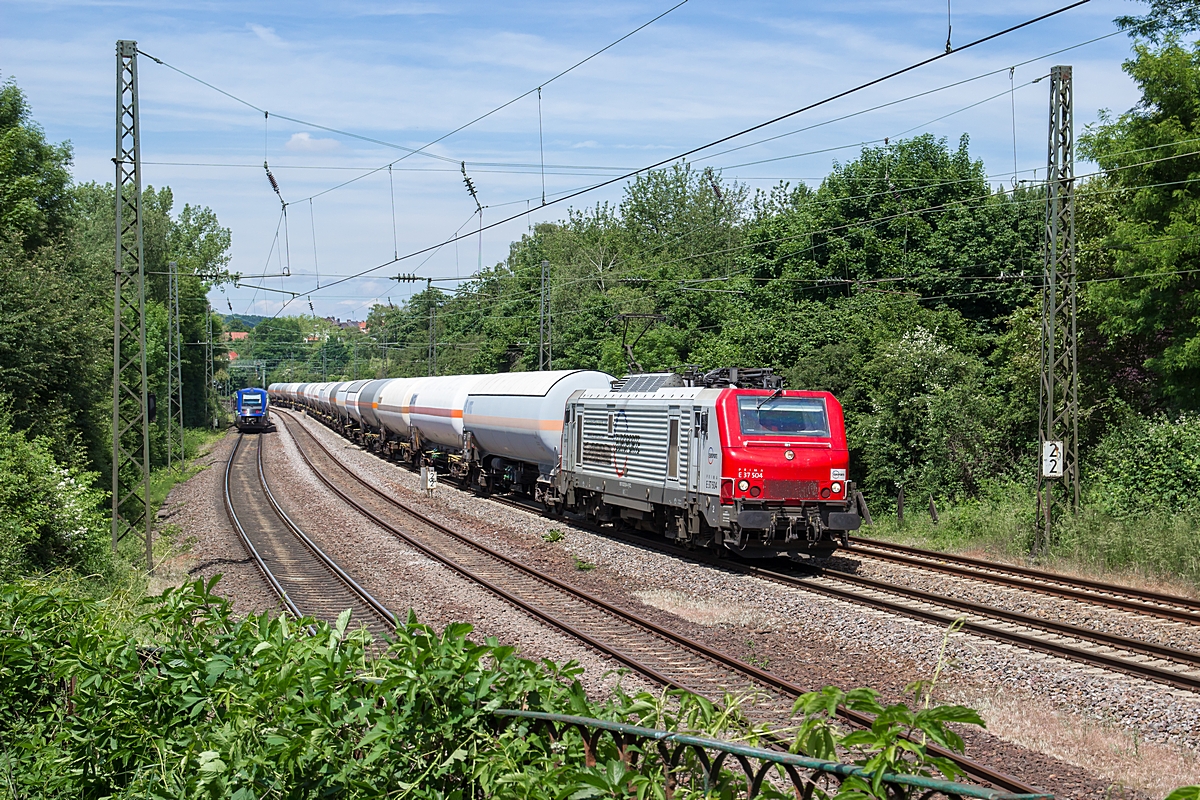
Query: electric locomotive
pixel 726 459
pixel 253 412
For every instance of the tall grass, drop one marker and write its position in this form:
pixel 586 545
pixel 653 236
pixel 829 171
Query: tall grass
pixel 1157 546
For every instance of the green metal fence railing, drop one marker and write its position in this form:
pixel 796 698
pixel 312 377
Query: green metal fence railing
pixel 713 764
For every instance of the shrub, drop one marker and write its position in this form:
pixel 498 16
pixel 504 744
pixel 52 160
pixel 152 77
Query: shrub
pixel 1148 466
pixel 174 698
pixel 50 516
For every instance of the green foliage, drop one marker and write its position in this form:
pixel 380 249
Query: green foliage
pixel 1185 793
pixel 56 251
pixel 552 536
pixel 173 697
pixel 1166 18
pixel 1147 466
pixel 50 517
pixel 1142 300
pixel 896 742
pixel 228 708
pixel 35 201
pixel 53 358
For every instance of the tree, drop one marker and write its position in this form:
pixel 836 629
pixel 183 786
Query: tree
pixel 35 202
pixel 911 216
pixel 1141 292
pixel 1166 18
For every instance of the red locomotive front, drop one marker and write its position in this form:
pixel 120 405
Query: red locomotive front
pixel 785 470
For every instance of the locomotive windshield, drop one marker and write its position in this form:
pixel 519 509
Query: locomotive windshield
pixel 783 416
pixel 252 400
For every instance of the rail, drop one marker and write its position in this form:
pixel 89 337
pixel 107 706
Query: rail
pixel 302 584
pixel 712 773
pixel 1124 598
pixel 1129 666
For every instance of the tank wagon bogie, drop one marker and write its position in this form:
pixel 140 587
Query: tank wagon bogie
pixel 726 460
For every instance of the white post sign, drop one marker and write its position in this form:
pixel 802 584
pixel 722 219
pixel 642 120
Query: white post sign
pixel 1052 459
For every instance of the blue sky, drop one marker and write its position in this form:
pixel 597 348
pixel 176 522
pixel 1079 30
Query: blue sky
pixel 408 72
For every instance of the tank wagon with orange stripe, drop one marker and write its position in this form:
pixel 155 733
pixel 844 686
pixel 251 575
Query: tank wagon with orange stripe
pixel 725 459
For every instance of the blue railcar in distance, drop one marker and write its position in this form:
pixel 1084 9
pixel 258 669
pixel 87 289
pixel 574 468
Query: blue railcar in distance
pixel 253 412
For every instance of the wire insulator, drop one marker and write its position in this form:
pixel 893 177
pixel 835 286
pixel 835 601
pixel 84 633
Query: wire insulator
pixel 271 178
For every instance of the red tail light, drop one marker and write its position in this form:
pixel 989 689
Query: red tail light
pixel 726 490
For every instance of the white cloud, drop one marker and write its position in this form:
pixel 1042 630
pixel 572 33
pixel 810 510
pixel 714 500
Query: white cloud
pixel 268 35
pixel 304 143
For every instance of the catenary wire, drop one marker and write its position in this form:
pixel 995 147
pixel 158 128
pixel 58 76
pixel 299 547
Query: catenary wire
pixel 756 127
pixel 929 208
pixel 419 150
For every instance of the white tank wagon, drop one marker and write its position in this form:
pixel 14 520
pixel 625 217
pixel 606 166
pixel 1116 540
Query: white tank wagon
pixel 512 425
pixel 327 398
pixel 435 409
pixel 311 395
pixel 295 394
pixel 391 413
pixel 364 408
pixel 347 397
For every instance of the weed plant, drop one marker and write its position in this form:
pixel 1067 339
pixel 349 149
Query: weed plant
pixel 172 697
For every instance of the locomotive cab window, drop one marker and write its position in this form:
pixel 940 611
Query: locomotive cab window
pixel 783 416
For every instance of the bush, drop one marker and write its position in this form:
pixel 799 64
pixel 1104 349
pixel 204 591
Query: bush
pixel 257 707
pixel 1001 522
pixel 173 698
pixel 50 516
pixel 1146 467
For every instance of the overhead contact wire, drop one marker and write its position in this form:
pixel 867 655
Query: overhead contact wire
pixel 753 128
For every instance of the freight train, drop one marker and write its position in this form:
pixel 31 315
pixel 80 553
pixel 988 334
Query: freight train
pixel 726 459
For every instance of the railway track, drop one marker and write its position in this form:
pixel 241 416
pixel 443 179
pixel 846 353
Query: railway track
pixel 307 581
pixel 1139 601
pixel 658 653
pixel 1177 668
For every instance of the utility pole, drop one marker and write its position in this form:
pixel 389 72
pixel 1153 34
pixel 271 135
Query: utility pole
pixel 432 320
pixel 174 373
pixel 209 378
pixel 130 410
pixel 1058 410
pixel 545 356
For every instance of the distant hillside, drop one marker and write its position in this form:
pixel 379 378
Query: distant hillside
pixel 249 320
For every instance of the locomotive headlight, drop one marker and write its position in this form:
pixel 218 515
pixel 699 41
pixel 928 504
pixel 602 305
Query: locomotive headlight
pixel 836 487
pixel 789 455
pixel 743 485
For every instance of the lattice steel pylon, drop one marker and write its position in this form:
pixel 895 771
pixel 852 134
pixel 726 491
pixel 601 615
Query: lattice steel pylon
pixel 175 448
pixel 432 325
pixel 545 344
pixel 131 418
pixel 209 378
pixel 1058 412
